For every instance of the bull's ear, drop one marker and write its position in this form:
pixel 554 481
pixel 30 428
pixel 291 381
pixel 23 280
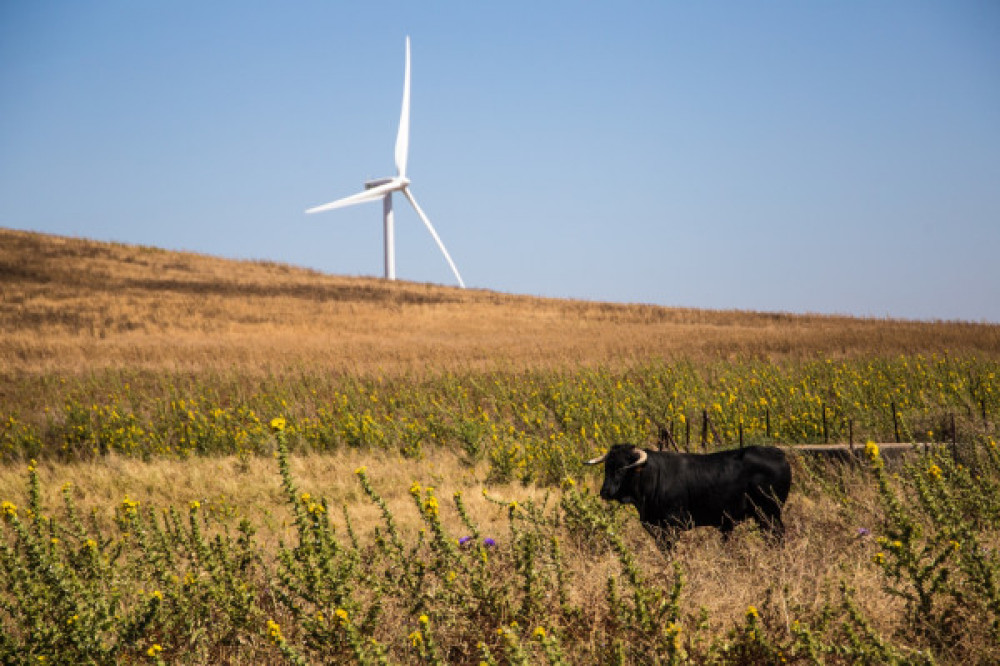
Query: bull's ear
pixel 597 461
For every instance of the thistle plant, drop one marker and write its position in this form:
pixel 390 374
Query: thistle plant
pixel 423 642
pixel 932 551
pixel 70 589
pixel 551 646
pixel 751 643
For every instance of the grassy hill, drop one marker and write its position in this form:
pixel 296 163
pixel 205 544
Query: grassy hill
pixel 73 306
pixel 434 507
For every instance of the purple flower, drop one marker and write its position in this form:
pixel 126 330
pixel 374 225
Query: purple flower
pixel 489 543
pixel 464 541
pixel 863 532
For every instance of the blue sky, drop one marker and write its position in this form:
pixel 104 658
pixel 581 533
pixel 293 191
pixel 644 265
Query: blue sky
pixel 831 157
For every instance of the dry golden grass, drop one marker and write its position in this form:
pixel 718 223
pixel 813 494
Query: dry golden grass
pixel 74 306
pixel 722 579
pixel 251 487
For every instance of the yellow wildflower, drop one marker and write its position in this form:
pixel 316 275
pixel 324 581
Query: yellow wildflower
pixel 416 638
pixel 423 619
pixel 752 612
pixel 278 423
pixel 674 631
pixel 879 558
pixel 9 509
pixel 341 615
pixel 871 450
pixel 274 631
pixel 195 505
pixel 431 506
pixel 934 471
pixel 154 650
pixel 539 633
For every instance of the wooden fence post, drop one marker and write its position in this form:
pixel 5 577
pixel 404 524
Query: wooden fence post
pixel 715 434
pixel 895 421
pixel 704 429
pixel 954 439
pixel 826 439
pixel 666 439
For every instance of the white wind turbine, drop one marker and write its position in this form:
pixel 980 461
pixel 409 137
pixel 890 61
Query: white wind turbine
pixel 383 188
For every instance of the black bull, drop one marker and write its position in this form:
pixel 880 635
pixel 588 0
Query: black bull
pixel 682 490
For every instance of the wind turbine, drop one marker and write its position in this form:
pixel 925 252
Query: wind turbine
pixel 383 188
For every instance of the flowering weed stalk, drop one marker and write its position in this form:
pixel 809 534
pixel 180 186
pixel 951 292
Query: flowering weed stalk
pixel 936 515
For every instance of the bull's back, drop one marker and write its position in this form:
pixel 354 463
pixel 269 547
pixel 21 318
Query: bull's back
pixel 741 470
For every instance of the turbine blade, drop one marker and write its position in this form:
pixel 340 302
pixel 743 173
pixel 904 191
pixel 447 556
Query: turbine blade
pixel 437 240
pixel 403 136
pixel 361 197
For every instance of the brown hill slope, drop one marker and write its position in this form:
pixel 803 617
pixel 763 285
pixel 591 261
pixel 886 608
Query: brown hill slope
pixel 73 305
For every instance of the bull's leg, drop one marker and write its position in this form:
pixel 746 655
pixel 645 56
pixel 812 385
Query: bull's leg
pixel 771 525
pixel 767 513
pixel 663 537
pixel 726 528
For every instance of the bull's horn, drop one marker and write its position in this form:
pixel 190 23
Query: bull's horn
pixel 641 461
pixel 596 461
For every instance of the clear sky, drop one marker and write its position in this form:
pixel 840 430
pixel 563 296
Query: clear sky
pixel 831 157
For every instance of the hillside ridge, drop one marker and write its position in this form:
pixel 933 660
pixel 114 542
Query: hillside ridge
pixel 74 304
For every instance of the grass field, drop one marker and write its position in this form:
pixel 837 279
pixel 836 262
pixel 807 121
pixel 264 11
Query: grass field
pixel 74 307
pixel 243 462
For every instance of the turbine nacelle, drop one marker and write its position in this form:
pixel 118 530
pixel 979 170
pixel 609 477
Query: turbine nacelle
pixel 382 181
pixel 383 188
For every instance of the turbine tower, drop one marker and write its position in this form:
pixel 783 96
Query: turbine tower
pixel 383 188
